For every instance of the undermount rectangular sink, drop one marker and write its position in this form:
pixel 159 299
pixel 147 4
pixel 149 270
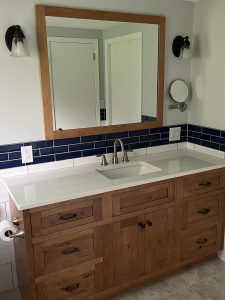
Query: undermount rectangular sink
pixel 125 170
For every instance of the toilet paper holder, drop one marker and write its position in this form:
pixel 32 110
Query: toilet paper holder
pixel 19 234
pixel 17 221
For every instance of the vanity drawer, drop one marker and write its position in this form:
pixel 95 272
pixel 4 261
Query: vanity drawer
pixel 142 198
pixel 202 183
pixel 203 208
pixel 202 241
pixel 66 216
pixel 77 283
pixel 67 250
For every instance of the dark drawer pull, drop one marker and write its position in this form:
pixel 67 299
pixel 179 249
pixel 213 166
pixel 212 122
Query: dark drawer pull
pixel 71 288
pixel 205 183
pixel 68 217
pixel 149 223
pixel 70 251
pixel 202 241
pixel 142 225
pixel 204 211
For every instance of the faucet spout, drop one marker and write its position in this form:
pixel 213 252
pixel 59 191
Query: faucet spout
pixel 115 156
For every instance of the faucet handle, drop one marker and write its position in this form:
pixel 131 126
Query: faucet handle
pixel 125 157
pixel 104 160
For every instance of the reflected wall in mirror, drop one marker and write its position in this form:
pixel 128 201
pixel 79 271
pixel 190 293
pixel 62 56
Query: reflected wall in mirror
pixel 106 64
pixel 100 69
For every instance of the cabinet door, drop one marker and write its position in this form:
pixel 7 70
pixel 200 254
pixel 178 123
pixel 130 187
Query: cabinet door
pixel 128 250
pixel 158 242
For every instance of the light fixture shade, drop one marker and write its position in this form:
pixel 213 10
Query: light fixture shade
pixel 19 49
pixel 181 47
pixel 15 41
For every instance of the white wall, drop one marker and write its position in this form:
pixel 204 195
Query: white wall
pixel 208 65
pixel 21 115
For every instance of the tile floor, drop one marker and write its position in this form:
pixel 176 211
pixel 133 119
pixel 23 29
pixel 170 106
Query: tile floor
pixel 10 295
pixel 205 281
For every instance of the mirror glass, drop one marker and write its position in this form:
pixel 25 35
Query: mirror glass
pixel 102 72
pixel 179 91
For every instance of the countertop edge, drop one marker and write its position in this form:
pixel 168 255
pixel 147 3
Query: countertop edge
pixel 110 189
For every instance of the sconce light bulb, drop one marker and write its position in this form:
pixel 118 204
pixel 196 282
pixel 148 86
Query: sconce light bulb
pixel 18 48
pixel 185 53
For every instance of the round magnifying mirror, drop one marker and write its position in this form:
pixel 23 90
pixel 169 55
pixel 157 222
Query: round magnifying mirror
pixel 179 91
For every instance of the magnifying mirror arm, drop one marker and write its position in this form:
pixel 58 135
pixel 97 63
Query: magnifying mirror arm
pixel 181 106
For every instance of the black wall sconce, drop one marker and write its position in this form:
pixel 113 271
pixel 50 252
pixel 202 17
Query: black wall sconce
pixel 15 41
pixel 181 47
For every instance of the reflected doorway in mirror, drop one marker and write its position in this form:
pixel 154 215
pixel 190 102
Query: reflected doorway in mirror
pixel 74 74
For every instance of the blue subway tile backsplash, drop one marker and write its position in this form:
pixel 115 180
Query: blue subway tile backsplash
pixel 69 141
pixel 56 150
pixel 12 155
pixel 195 128
pixel 139 132
pixel 43 159
pixel 10 148
pixel 140 145
pixel 4 156
pixel 159 142
pixel 211 131
pixel 38 144
pixel 10 164
pixel 69 155
pixel 207 137
pixel 92 138
pixel 159 130
pixel 116 135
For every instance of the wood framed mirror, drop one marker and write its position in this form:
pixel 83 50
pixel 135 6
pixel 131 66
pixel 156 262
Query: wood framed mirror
pixel 101 72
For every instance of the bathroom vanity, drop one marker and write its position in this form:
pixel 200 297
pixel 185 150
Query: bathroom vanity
pixel 122 233
pixel 92 232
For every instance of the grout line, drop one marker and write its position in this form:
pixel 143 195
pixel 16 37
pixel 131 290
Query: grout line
pixel 12 274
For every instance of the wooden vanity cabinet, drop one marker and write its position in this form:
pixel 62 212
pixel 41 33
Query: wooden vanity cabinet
pixel 99 246
pixel 199 215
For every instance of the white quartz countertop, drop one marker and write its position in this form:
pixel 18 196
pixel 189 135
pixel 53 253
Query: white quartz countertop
pixel 35 190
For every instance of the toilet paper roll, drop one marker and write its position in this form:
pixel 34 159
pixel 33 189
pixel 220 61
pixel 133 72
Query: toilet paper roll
pixel 7 227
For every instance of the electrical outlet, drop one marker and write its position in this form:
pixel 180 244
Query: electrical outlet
pixel 27 154
pixel 175 134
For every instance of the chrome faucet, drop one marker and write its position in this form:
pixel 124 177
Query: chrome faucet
pixel 115 155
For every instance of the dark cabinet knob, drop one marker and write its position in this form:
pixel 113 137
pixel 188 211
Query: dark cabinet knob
pixel 204 211
pixel 149 223
pixel 142 225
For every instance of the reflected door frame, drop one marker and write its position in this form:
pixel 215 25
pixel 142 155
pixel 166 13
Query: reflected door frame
pixel 94 42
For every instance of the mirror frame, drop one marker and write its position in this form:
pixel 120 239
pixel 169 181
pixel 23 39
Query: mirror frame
pixel 41 12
